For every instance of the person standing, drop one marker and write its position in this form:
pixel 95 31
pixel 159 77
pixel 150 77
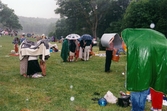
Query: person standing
pixel 23 66
pixel 33 64
pixel 23 63
pixel 72 49
pixel 145 67
pixel 156 99
pixel 43 62
pixel 16 43
pixel 77 50
pixel 81 49
pixel 65 50
pixel 22 38
pixel 138 99
pixel 109 52
pixel 87 49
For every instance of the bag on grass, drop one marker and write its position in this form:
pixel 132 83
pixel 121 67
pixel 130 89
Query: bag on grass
pixel 124 101
pixel 110 97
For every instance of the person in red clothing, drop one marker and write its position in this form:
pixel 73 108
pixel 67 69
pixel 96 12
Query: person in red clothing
pixel 77 50
pixel 157 99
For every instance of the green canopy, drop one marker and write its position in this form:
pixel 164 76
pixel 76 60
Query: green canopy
pixel 65 50
pixel 146 59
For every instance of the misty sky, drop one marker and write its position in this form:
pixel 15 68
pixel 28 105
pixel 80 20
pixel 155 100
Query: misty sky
pixel 33 8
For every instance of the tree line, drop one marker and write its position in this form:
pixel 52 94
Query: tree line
pixel 97 17
pixel 9 21
pixel 37 25
pixel 8 18
pixel 94 17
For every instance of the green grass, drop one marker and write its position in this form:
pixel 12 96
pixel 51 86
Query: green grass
pixel 53 92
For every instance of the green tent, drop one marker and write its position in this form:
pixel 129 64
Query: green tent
pixel 146 59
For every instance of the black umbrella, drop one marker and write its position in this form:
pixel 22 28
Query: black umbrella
pixel 86 37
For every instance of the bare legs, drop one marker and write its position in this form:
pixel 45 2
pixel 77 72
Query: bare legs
pixel 43 67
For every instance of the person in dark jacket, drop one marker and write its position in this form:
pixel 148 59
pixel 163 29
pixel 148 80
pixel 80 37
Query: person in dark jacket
pixel 109 52
pixel 81 49
pixel 72 48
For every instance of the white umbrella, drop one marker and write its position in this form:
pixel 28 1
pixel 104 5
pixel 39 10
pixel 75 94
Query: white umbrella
pixel 72 36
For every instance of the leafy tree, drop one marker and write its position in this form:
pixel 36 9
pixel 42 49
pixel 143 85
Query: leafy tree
pixel 83 15
pixel 51 28
pixel 142 13
pixel 9 19
pixel 92 16
pixel 61 29
pixel 162 21
pixel 113 18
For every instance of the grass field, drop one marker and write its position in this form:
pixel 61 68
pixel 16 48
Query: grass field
pixel 53 92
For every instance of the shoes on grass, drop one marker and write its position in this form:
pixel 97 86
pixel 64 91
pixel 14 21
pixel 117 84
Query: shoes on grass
pixel 108 71
pixel 36 75
pixel 95 99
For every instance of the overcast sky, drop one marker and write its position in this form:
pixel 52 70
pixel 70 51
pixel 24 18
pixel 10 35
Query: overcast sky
pixel 33 8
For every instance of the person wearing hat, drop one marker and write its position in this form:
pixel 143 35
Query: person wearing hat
pixel 43 36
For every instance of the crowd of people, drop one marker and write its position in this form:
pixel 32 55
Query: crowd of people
pixel 72 50
pixel 9 32
pixel 33 65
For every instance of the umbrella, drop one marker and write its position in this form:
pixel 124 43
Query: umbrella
pixel 106 38
pixel 72 36
pixel 86 37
